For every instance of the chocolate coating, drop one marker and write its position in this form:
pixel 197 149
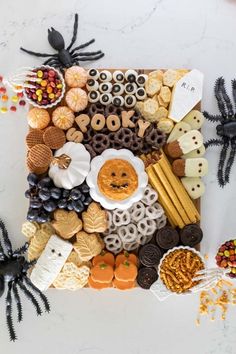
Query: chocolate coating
pixel 150 255
pixel 167 237
pixel 191 235
pixel 146 277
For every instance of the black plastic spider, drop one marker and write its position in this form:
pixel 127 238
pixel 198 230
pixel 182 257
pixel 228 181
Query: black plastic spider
pixel 226 129
pixel 13 272
pixel 66 57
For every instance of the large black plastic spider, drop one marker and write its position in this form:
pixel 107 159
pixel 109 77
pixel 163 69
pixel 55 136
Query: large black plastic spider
pixel 66 57
pixel 226 129
pixel 13 272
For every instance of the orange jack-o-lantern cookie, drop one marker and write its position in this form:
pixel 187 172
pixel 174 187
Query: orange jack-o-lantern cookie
pixel 117 179
pixel 102 273
pixel 104 257
pixel 98 286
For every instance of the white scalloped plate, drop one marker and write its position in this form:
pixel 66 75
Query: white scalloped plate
pixel 96 165
pixel 158 288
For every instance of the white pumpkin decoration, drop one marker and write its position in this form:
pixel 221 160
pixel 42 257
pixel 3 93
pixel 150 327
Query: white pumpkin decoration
pixel 70 165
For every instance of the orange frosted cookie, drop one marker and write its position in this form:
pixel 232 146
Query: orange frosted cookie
pixel 63 117
pixel 76 76
pixel 102 273
pixel 38 118
pixel 98 286
pixel 123 285
pixel 126 271
pixel 76 99
pixel 117 179
pixel 104 257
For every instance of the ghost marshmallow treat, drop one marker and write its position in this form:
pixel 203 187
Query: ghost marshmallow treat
pixel 195 153
pixel 179 129
pixel 197 167
pixel 50 262
pixel 195 119
pixel 194 186
pixel 185 144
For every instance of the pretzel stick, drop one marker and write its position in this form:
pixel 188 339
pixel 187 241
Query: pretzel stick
pixel 172 194
pixel 184 198
pixel 164 198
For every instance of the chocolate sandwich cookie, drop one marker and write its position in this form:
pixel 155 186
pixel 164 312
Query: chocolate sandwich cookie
pixel 167 237
pixel 146 277
pixel 150 255
pixel 191 235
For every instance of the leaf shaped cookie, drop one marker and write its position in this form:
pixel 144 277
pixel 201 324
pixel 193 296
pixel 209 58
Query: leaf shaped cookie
pixel 66 223
pixel 87 245
pixel 95 219
pixel 72 277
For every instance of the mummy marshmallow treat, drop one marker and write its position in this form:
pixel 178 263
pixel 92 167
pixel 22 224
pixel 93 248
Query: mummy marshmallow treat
pixel 120 89
pixel 196 167
pixel 185 144
pixel 50 262
pixel 194 186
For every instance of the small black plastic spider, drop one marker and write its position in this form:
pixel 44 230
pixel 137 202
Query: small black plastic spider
pixel 66 57
pixel 13 272
pixel 226 130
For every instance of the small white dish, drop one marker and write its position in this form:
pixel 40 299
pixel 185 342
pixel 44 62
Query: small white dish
pixel 158 288
pixel 96 165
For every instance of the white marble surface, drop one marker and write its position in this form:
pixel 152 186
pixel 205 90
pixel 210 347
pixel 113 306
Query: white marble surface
pixel 151 34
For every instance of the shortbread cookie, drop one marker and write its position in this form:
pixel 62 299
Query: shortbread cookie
pixel 197 167
pixel 195 153
pixel 165 94
pixel 66 223
pixel 185 144
pixel 95 219
pixel 170 77
pixel 179 129
pixel 194 186
pixel 72 277
pixel 165 124
pixel 195 119
pixel 50 262
pixel 156 74
pixel 87 245
pixel 152 86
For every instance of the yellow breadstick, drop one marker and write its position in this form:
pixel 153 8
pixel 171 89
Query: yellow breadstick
pixel 164 198
pixel 184 198
pixel 172 194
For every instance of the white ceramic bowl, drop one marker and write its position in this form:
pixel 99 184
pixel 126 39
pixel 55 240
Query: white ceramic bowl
pixel 96 165
pixel 166 254
pixel 31 102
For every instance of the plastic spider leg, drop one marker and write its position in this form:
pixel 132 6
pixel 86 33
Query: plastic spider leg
pixel 92 58
pixel 230 160
pixel 2 285
pixel 223 153
pixel 220 102
pixel 6 239
pixel 226 99
pixel 51 60
pixel 42 55
pixel 9 320
pixel 21 250
pixel 214 142
pixel 28 265
pixel 82 46
pixel 18 302
pixel 30 297
pixel 75 30
pixel 41 295
pixel 86 54
pixel 212 118
pixel 233 84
